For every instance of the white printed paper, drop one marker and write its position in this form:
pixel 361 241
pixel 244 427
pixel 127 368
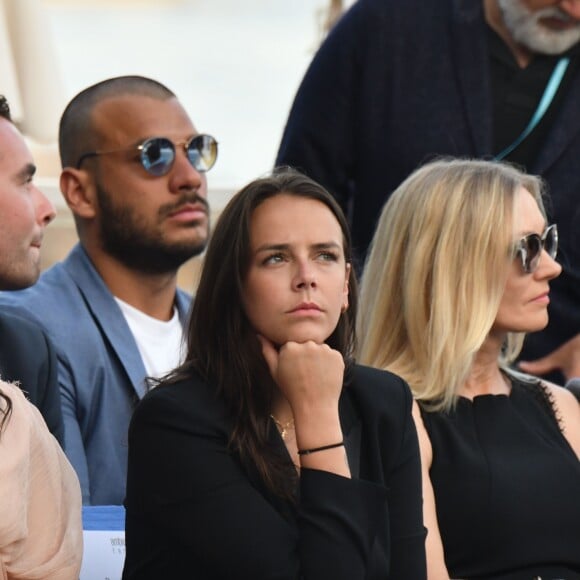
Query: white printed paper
pixel 103 555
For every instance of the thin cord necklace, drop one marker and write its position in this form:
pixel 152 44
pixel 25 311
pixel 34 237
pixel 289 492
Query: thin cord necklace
pixel 285 428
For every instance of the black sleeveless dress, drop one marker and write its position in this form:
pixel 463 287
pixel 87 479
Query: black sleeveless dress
pixel 507 488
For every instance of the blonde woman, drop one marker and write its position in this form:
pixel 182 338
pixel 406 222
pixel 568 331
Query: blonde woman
pixel 459 270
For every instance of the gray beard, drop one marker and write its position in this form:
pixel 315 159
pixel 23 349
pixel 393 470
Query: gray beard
pixel 525 28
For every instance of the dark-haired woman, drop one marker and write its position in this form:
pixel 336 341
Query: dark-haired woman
pixel 269 453
pixel 40 497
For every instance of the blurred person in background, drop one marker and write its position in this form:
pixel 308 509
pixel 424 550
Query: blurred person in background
pixel 397 83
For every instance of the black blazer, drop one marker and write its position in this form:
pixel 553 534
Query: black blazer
pixel 194 511
pixel 27 356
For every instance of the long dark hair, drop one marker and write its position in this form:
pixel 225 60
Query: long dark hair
pixel 222 345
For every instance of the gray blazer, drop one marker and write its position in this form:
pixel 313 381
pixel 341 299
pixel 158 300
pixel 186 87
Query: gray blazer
pixel 100 371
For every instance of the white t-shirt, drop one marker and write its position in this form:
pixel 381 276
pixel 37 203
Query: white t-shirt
pixel 160 343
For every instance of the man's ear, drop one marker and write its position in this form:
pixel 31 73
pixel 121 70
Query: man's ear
pixel 79 192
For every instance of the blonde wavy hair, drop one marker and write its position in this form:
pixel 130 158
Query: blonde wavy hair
pixel 436 272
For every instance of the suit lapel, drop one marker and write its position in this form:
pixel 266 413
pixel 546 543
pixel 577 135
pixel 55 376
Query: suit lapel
pixel 108 316
pixel 183 303
pixel 472 67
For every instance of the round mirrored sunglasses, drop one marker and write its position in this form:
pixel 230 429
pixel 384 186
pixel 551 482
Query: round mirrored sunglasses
pixel 157 154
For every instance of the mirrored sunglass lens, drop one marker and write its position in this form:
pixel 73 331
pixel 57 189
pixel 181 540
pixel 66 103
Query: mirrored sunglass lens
pixel 533 250
pixel 157 156
pixel 202 152
pixel 551 243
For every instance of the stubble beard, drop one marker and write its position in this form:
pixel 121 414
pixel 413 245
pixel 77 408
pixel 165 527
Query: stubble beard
pixel 19 274
pixel 137 245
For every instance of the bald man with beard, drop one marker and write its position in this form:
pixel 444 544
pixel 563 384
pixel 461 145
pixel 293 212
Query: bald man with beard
pixel 133 176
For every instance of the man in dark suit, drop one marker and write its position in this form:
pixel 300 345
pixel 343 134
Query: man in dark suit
pixel 26 354
pixel 398 83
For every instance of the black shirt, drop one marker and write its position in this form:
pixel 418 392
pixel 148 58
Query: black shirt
pixel 516 93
